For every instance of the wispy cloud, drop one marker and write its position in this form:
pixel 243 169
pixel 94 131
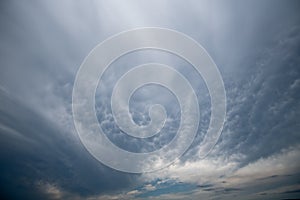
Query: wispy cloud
pixel 256 49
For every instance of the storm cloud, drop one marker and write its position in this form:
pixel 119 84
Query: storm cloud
pixel 256 46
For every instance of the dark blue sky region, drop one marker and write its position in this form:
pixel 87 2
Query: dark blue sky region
pixel 256 46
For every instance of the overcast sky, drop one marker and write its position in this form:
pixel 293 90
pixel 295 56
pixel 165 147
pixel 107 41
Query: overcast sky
pixel 256 46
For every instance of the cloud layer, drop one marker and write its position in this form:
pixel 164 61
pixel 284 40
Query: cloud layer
pixel 256 47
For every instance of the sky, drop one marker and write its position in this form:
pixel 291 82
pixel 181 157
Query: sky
pixel 254 44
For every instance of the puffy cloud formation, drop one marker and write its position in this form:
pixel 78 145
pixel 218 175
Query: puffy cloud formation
pixel 256 47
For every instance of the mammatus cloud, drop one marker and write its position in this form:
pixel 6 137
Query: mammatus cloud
pixel 254 44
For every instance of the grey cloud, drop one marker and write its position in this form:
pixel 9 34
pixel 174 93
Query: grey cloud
pixel 255 45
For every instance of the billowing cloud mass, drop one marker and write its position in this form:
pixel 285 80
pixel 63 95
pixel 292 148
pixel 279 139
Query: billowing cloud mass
pixel 256 46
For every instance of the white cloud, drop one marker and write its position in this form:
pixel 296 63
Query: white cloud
pixel 221 172
pixel 51 190
pixel 149 187
pixel 285 163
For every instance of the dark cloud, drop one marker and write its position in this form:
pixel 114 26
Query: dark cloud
pixel 33 151
pixel 256 46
